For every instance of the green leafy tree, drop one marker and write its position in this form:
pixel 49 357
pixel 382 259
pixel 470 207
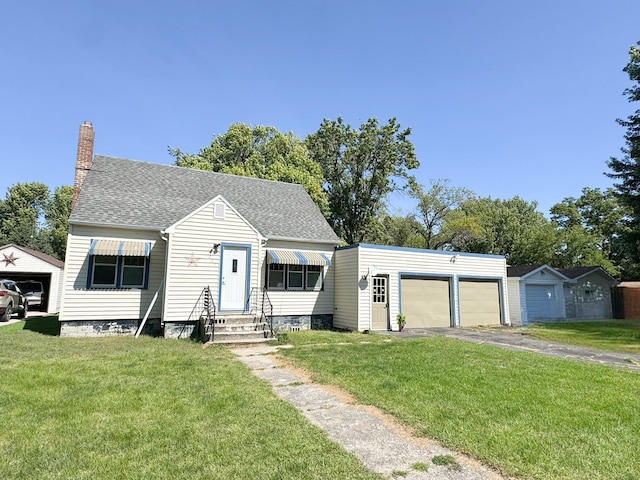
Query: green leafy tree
pixel 513 228
pixel 401 231
pixel 626 170
pixel 361 167
pixel 57 214
pixel 590 228
pixel 261 152
pixel 31 218
pixel 437 213
pixel 21 215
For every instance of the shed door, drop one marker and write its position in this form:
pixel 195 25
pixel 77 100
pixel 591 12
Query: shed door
pixel 479 302
pixel 426 302
pixel 541 302
pixel 379 303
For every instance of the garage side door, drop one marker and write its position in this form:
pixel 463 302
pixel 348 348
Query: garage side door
pixel 541 302
pixel 426 302
pixel 479 302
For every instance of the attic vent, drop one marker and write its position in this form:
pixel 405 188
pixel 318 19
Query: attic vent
pixel 218 210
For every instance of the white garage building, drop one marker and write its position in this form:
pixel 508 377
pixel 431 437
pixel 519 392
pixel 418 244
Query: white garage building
pixel 20 263
pixel 373 283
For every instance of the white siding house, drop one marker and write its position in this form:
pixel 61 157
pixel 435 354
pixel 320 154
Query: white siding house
pixel 154 244
pixel 432 288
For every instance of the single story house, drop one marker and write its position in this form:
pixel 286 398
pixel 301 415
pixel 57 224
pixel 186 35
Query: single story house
pixel 148 242
pixel 432 288
pixel 152 246
pixel 540 292
pixel 21 264
pixel 587 293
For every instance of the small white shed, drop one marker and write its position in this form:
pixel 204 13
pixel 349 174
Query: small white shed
pixel 20 263
pixel 373 283
pixel 535 293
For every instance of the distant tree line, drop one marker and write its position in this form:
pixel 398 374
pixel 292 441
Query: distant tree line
pixel 349 172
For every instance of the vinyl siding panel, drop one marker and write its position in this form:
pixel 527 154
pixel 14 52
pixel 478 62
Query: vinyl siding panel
pixel 513 289
pixel 347 289
pixel 302 302
pixel 396 262
pixel 80 303
pixel 193 264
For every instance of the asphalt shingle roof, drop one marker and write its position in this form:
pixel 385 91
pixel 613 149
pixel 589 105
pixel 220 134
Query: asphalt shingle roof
pixel 521 270
pixel 129 193
pixel 576 272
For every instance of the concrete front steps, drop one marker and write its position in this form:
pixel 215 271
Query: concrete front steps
pixel 238 329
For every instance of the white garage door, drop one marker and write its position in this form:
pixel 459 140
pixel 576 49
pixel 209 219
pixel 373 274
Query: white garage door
pixel 541 302
pixel 479 302
pixel 426 302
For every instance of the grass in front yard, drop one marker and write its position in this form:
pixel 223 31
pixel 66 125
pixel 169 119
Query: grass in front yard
pixel 614 335
pixel 532 416
pixel 125 408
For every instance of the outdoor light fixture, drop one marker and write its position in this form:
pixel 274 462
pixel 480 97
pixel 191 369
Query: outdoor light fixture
pixel 215 248
pixel 372 271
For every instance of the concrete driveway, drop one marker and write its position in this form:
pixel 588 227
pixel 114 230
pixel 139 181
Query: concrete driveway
pixel 507 337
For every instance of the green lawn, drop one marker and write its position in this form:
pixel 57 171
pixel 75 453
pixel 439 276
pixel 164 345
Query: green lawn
pixel 125 408
pixel 529 415
pixel 614 335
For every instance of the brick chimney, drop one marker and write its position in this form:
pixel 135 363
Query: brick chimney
pixel 84 158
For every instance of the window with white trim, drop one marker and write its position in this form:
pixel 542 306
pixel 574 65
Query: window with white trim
pixel 295 277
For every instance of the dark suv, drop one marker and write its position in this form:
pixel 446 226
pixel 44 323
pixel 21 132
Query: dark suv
pixel 11 300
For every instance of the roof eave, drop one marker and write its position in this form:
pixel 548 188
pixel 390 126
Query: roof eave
pixel 113 225
pixel 304 240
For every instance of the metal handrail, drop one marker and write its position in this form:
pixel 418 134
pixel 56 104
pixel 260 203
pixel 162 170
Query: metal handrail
pixel 265 296
pixel 250 301
pixel 205 306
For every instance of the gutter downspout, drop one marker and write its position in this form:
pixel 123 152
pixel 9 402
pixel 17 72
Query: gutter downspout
pixel 155 296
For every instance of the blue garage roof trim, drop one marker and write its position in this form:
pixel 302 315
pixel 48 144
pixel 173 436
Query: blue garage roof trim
pixel 297 257
pixel 120 248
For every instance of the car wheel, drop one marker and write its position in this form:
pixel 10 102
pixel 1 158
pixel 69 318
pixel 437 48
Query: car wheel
pixel 7 313
pixel 23 313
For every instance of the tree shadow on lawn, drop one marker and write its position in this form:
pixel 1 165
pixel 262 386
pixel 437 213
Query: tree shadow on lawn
pixel 48 325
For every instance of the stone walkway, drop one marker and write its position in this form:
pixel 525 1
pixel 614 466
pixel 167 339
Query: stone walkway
pixel 381 445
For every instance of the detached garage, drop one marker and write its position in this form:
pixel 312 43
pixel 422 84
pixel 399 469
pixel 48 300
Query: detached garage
pixel 431 288
pixel 23 264
pixel 535 294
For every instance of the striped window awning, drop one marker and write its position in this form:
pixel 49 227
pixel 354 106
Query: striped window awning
pixel 120 248
pixel 297 257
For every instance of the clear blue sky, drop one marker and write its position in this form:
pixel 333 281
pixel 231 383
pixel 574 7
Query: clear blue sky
pixel 504 97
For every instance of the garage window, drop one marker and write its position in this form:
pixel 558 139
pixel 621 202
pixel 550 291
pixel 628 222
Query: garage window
pixel 111 271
